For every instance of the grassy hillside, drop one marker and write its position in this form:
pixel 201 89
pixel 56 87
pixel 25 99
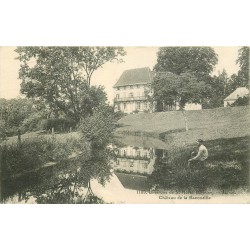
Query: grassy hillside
pixel 208 124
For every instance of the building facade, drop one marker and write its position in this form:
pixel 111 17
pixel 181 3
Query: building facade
pixel 131 91
pixel 135 160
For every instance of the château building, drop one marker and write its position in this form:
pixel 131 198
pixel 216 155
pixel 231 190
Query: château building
pixel 131 91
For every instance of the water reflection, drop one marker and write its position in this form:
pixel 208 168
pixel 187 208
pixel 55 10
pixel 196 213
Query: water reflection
pixel 64 182
pixel 88 178
pixel 134 164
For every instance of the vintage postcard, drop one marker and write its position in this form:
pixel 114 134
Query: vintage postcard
pixel 108 125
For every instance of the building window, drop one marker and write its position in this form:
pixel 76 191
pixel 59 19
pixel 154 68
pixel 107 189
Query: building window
pixel 131 87
pixel 131 95
pixel 117 96
pixel 124 106
pixel 118 88
pixel 119 107
pixel 138 105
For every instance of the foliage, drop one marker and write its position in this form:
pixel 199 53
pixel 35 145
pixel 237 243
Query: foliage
pixel 16 158
pixel 2 130
pixel 174 89
pixel 33 152
pixel 199 61
pixel 61 76
pixel 97 129
pixel 241 101
pixel 15 111
pixel 243 61
pixel 225 170
pixel 119 114
pixel 241 79
pixel 59 124
pixel 218 86
pixel 31 123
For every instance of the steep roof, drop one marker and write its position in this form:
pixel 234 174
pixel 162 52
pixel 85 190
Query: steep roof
pixel 134 76
pixel 239 92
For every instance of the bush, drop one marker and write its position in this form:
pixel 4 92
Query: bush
pixel 59 124
pixel 32 153
pixel 118 115
pixel 17 158
pixel 2 130
pixel 97 129
pixel 31 123
pixel 241 101
pixel 12 131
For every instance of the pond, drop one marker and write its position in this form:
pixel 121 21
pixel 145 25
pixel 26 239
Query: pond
pixel 130 167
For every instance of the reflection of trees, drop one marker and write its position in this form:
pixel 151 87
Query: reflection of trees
pixel 68 182
pixel 74 186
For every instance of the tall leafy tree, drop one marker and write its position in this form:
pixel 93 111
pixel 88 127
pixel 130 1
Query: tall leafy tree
pixel 219 85
pixel 243 61
pixel 241 79
pixel 61 76
pixel 172 89
pixel 14 111
pixel 199 61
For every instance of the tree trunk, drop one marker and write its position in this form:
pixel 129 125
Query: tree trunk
pixel 185 119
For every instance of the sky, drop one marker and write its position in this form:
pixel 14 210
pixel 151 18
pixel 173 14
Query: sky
pixel 107 76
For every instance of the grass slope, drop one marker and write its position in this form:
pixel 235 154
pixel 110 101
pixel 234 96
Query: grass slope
pixel 209 124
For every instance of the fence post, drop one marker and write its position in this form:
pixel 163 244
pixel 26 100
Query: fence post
pixel 52 132
pixel 19 137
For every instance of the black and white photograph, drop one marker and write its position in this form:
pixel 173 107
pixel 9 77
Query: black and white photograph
pixel 122 124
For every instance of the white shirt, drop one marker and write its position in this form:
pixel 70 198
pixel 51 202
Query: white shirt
pixel 202 154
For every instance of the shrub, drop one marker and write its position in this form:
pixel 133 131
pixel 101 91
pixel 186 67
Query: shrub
pixel 97 129
pixel 2 130
pixel 59 124
pixel 32 153
pixel 17 158
pixel 118 115
pixel 31 123
pixel 241 101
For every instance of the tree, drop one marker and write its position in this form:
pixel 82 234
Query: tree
pixel 243 61
pixel 218 85
pixel 14 111
pixel 172 89
pixel 61 76
pixel 92 58
pixel 241 79
pixel 199 61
